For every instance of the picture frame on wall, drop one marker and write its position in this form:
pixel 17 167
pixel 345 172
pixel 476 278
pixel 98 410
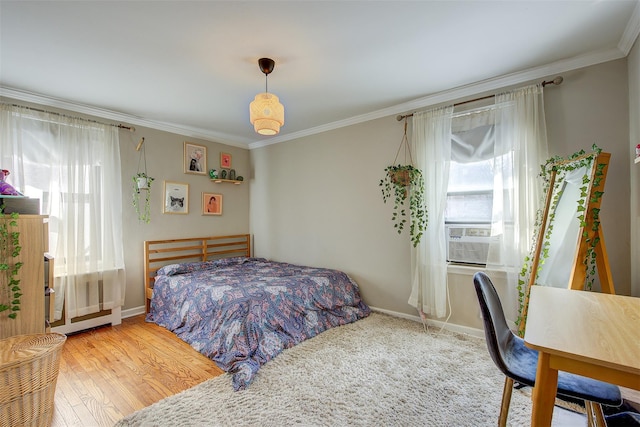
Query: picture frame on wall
pixel 176 198
pixel 195 159
pixel 225 160
pixel 211 204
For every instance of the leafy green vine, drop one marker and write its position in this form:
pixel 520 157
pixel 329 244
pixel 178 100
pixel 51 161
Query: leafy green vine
pixel 561 168
pixel 399 183
pixel 142 210
pixel 9 249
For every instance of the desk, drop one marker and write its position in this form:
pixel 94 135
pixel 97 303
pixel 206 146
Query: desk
pixel 591 334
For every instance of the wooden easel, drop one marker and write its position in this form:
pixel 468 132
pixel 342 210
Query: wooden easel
pixel 586 235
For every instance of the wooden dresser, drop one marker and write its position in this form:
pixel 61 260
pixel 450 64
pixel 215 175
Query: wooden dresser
pixel 34 242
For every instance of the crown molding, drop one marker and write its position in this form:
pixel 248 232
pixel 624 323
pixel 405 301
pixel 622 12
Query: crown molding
pixel 456 94
pixel 103 113
pixel 631 31
pixel 448 96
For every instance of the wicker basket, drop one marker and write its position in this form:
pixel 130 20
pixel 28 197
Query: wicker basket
pixel 28 373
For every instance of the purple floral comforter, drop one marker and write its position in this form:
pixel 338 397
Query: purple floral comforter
pixel 242 312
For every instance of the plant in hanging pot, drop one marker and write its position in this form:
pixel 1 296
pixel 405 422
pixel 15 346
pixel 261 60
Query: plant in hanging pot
pixel 142 182
pixel 402 183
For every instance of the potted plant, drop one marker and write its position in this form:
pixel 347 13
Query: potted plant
pixel 402 183
pixel 142 182
pixel 9 249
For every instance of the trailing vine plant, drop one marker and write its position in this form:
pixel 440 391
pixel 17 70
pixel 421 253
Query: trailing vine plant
pixel 402 182
pixel 142 207
pixel 9 249
pixel 399 183
pixel 562 167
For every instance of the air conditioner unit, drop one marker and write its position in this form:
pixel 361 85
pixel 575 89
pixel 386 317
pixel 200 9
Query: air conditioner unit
pixel 468 244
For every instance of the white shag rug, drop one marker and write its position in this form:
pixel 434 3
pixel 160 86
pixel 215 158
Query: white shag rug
pixel 379 371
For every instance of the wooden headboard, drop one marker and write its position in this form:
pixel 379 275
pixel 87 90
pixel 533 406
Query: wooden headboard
pixel 158 253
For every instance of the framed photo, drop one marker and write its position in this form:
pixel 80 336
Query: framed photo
pixel 225 160
pixel 211 204
pixel 176 198
pixel 195 159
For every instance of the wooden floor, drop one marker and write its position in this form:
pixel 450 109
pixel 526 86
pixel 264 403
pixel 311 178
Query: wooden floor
pixel 110 372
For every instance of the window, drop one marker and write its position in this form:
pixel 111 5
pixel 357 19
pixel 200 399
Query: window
pixel 470 193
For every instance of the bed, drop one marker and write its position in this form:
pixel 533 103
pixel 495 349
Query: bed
pixel 241 311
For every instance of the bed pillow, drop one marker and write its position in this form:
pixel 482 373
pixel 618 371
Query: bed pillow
pixel 233 261
pixel 185 267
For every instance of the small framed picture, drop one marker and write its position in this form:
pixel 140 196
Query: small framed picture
pixel 211 204
pixel 195 159
pixel 176 198
pixel 225 160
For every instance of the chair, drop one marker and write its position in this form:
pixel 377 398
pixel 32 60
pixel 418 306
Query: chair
pixel 519 363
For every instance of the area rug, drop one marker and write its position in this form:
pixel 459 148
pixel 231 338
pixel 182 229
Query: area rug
pixel 379 371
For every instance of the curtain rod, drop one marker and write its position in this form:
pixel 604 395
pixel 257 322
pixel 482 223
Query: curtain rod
pixel 120 126
pixel 558 80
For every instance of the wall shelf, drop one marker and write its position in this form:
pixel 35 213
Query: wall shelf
pixel 229 181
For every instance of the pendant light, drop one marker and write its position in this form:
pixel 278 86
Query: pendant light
pixel 265 111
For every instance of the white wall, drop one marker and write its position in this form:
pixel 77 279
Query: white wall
pixel 316 200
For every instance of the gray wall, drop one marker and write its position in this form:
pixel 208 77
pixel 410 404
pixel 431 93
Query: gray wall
pixel 316 200
pixel 164 152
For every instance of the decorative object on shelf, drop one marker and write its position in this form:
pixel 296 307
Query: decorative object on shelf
pixel 213 173
pixel 211 204
pixel 232 174
pixel 9 250
pixel 225 160
pixel 266 113
pixel 240 178
pixel 195 159
pixel 223 174
pixel 142 182
pixel 7 189
pixel 176 198
pixel 402 182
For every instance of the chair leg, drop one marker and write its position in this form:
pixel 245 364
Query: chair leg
pixel 588 407
pixel 506 401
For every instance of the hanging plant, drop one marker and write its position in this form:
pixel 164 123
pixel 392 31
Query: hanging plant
pixel 402 183
pixel 9 250
pixel 561 168
pixel 142 183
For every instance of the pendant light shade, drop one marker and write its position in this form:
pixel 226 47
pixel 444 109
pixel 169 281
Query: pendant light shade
pixel 266 113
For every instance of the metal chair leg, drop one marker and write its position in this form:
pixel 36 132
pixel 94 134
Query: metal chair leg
pixel 506 401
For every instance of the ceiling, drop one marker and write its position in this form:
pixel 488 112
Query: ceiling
pixel 190 67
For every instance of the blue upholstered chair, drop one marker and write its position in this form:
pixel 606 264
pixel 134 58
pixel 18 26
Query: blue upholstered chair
pixel 519 363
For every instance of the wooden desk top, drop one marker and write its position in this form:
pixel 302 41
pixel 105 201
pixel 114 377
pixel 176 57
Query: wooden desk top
pixel 592 327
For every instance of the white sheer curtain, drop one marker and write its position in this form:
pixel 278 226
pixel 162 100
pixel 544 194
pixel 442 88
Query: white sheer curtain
pixel 73 166
pixel 431 136
pixel 520 148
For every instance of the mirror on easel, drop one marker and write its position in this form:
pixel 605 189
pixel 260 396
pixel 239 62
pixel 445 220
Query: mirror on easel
pixel 568 247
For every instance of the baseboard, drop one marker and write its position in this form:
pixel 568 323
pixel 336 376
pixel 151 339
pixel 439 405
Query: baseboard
pixel 479 333
pixel 130 312
pixel 460 329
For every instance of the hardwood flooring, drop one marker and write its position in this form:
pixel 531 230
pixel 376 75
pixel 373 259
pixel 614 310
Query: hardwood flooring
pixel 110 372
